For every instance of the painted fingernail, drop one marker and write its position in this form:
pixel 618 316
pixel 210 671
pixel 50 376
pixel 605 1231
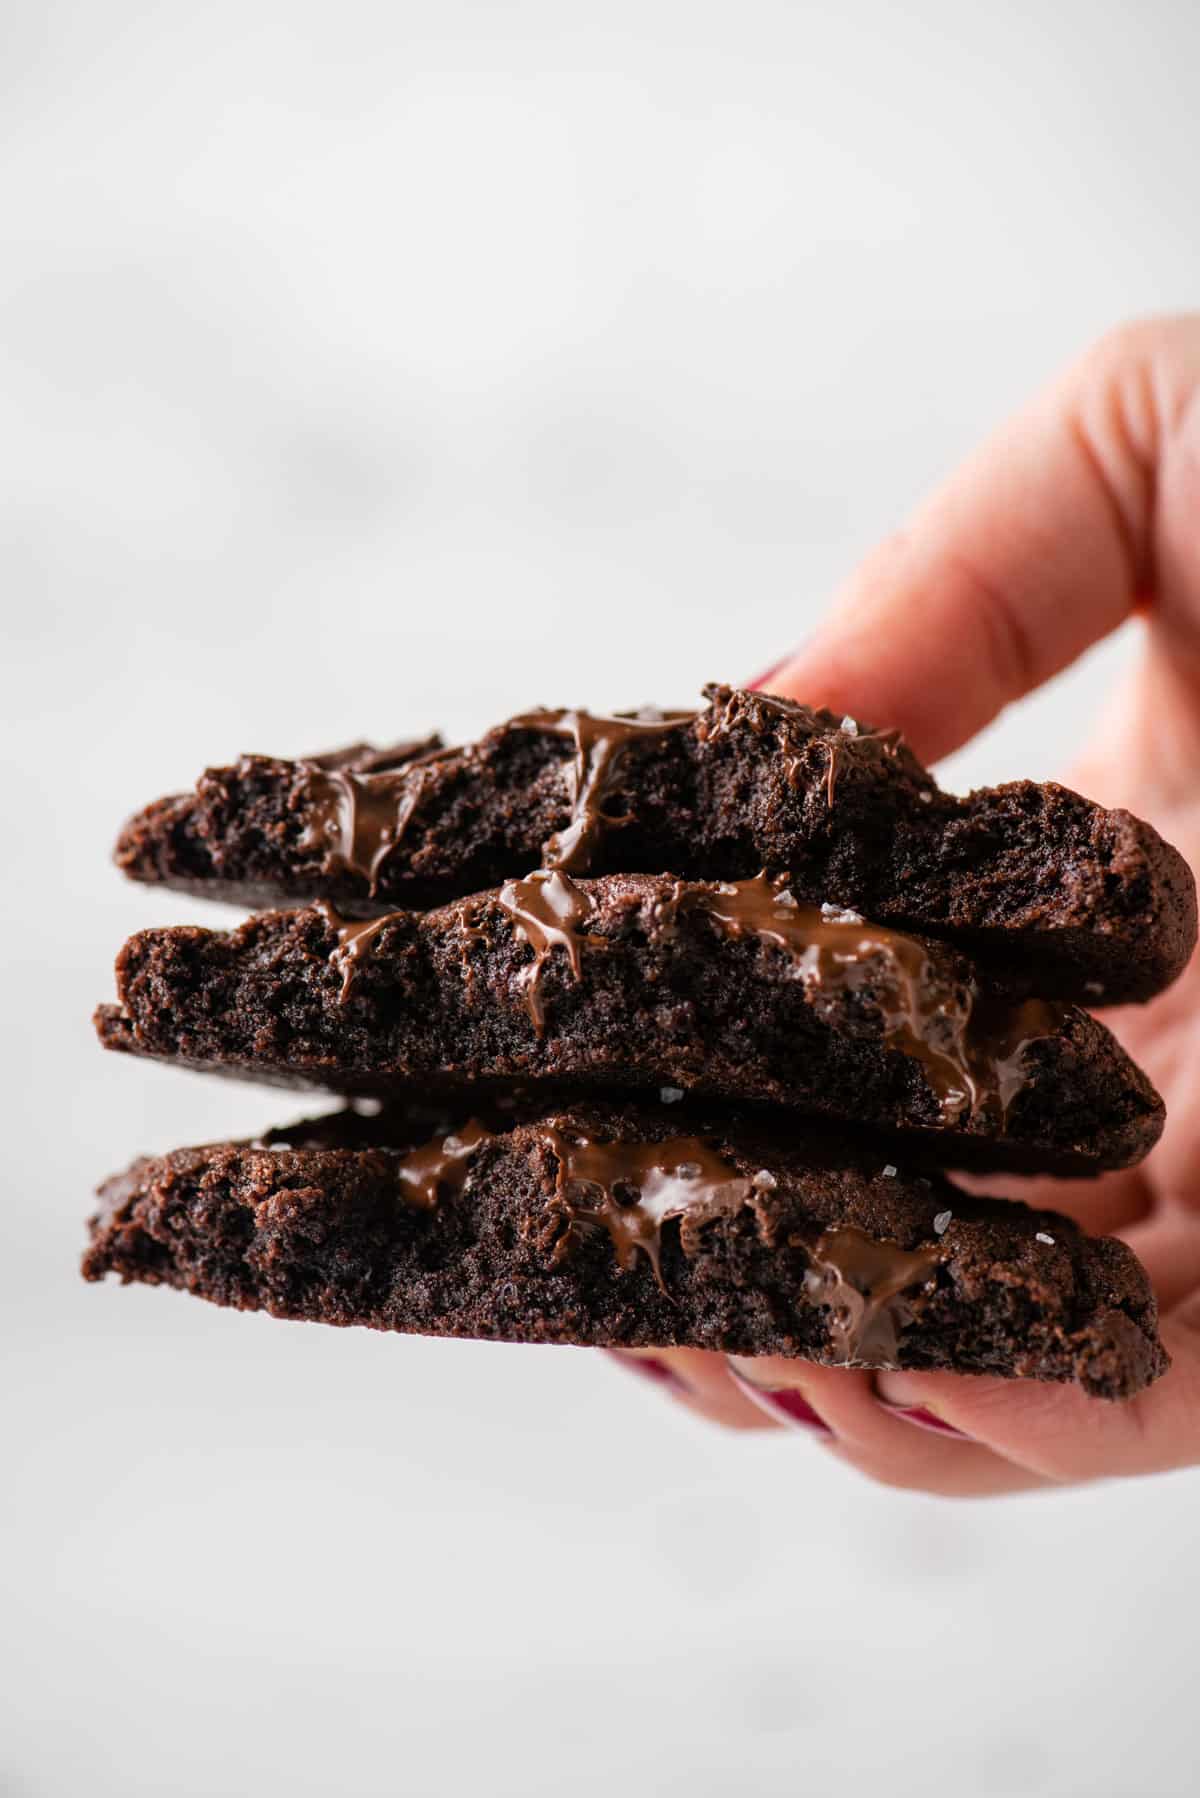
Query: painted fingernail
pixel 781 1403
pixel 925 1420
pixel 760 680
pixel 650 1369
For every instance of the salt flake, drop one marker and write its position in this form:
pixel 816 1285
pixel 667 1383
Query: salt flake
pixel 670 1095
pixel 839 914
pixel 1043 1237
pixel 941 1222
pixel 849 726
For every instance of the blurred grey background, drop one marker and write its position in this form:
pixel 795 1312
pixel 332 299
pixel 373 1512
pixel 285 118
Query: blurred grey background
pixel 368 367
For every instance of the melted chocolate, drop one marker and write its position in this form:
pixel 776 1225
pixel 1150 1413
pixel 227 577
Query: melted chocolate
pixel 971 1047
pixel 549 910
pixel 863 1283
pixel 600 743
pixel 356 817
pixel 440 1166
pixel 875 743
pixel 631 1189
pixel 356 937
pixel 364 758
pixel 354 940
pixel 970 1050
pixel 748 708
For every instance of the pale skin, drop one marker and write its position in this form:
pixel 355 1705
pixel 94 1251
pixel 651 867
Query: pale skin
pixel 1083 509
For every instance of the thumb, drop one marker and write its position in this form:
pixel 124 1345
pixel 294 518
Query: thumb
pixel 1042 543
pixel 1061 1433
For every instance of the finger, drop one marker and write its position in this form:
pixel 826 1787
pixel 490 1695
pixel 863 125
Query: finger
pixel 1167 1244
pixel 1061 1433
pixel 1103 1206
pixel 1043 542
pixel 696 1380
pixel 890 1447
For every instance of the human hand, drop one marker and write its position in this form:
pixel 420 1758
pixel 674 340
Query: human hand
pixel 1082 510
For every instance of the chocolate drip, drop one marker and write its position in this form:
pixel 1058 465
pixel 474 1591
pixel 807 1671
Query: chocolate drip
pixel 752 708
pixel 971 1047
pixel 440 1166
pixel 746 706
pixel 356 937
pixel 631 1189
pixel 364 758
pixel 971 1050
pixel 548 909
pixel 600 743
pixel 357 816
pixel 881 742
pixel 864 1284
pixel 354 940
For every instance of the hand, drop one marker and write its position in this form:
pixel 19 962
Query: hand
pixel 1084 509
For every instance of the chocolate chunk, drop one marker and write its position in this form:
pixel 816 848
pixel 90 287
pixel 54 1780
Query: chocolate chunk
pixel 638 981
pixel 1091 905
pixel 633 1225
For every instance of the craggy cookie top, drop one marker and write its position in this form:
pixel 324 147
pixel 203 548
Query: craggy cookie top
pixel 1084 903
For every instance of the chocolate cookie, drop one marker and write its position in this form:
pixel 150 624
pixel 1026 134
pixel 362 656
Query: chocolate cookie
pixel 1090 904
pixel 633 1225
pixel 634 981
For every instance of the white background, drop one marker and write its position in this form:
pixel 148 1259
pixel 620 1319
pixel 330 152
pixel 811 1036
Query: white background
pixel 366 367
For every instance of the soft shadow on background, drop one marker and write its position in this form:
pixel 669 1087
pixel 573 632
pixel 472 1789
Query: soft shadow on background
pixel 372 367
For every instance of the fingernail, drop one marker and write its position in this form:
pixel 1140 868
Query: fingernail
pixel 925 1420
pixel 781 1403
pixel 650 1369
pixel 760 680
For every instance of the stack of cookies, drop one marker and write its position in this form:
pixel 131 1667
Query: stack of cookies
pixel 657 1029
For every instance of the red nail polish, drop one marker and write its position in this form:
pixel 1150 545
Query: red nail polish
pixel 760 680
pixel 650 1369
pixel 783 1404
pixel 925 1420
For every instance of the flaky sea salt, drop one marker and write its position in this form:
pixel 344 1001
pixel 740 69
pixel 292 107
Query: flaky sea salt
pixel 839 914
pixel 889 1172
pixel 925 796
pixel 764 1180
pixel 1094 987
pixel 1042 1237
pixel 849 726
pixel 941 1222
pixel 670 1095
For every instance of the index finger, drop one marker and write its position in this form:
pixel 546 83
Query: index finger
pixel 1043 542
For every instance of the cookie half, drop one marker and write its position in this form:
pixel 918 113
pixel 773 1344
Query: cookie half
pixel 632 1225
pixel 729 989
pixel 1090 905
